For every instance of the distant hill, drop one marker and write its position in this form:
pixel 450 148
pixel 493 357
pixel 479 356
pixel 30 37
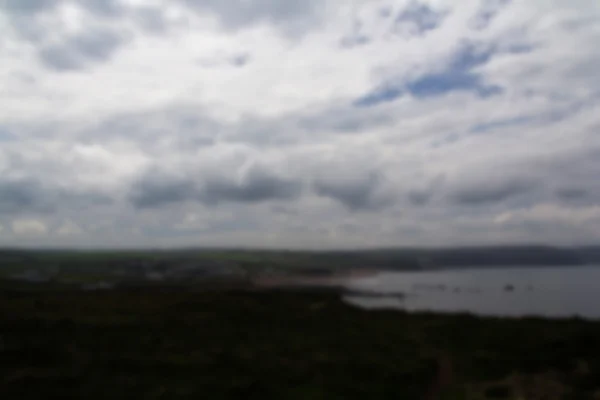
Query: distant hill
pixel 508 256
pixel 590 254
pixel 315 261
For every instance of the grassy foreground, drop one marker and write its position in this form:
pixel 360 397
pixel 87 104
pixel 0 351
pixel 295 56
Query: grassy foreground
pixel 171 344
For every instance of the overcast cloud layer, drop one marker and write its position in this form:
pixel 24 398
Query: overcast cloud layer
pixel 305 124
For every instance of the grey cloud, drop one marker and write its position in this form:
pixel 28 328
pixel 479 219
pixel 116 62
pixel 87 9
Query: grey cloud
pixel 418 19
pixel 151 192
pixel 420 197
pixel 571 193
pixel 573 176
pixel 6 135
pixel 240 60
pixel 488 10
pixel 187 128
pixel 79 51
pixel 27 29
pixel 290 15
pixel 237 60
pixel 356 37
pixel 424 192
pixel 20 195
pixel 27 6
pixel 82 200
pixel 312 125
pixel 486 191
pixel 28 195
pixel 23 17
pixel 559 177
pixel 151 19
pixel 107 8
pixel 255 186
pixel 59 59
pixel 343 120
pixel 195 128
pixel 361 193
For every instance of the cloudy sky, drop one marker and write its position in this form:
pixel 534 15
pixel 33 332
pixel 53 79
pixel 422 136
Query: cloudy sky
pixel 299 123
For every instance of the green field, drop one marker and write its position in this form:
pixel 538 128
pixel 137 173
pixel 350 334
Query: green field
pixel 174 344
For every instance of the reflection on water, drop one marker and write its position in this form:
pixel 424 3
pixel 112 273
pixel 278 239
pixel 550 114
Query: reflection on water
pixel 551 292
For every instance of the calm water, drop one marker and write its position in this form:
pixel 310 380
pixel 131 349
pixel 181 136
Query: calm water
pixel 550 292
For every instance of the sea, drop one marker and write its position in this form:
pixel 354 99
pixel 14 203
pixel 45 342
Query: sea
pixel 551 292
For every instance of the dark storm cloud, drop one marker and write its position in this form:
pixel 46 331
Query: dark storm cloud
pixel 355 194
pixel 257 185
pixel 79 51
pixel 492 190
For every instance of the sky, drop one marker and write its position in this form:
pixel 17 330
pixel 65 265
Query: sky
pixel 299 123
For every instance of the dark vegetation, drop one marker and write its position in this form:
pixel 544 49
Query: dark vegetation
pixel 174 338
pixel 243 344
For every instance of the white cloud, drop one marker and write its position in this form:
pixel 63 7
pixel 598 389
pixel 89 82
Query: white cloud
pixel 69 228
pixel 25 227
pixel 552 213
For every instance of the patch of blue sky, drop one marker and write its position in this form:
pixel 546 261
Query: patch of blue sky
pixel 6 135
pixel 500 123
pixel 457 76
pixel 450 81
pixel 384 94
pixel 470 56
pixel 445 140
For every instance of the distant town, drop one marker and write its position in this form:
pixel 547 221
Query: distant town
pixel 97 270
